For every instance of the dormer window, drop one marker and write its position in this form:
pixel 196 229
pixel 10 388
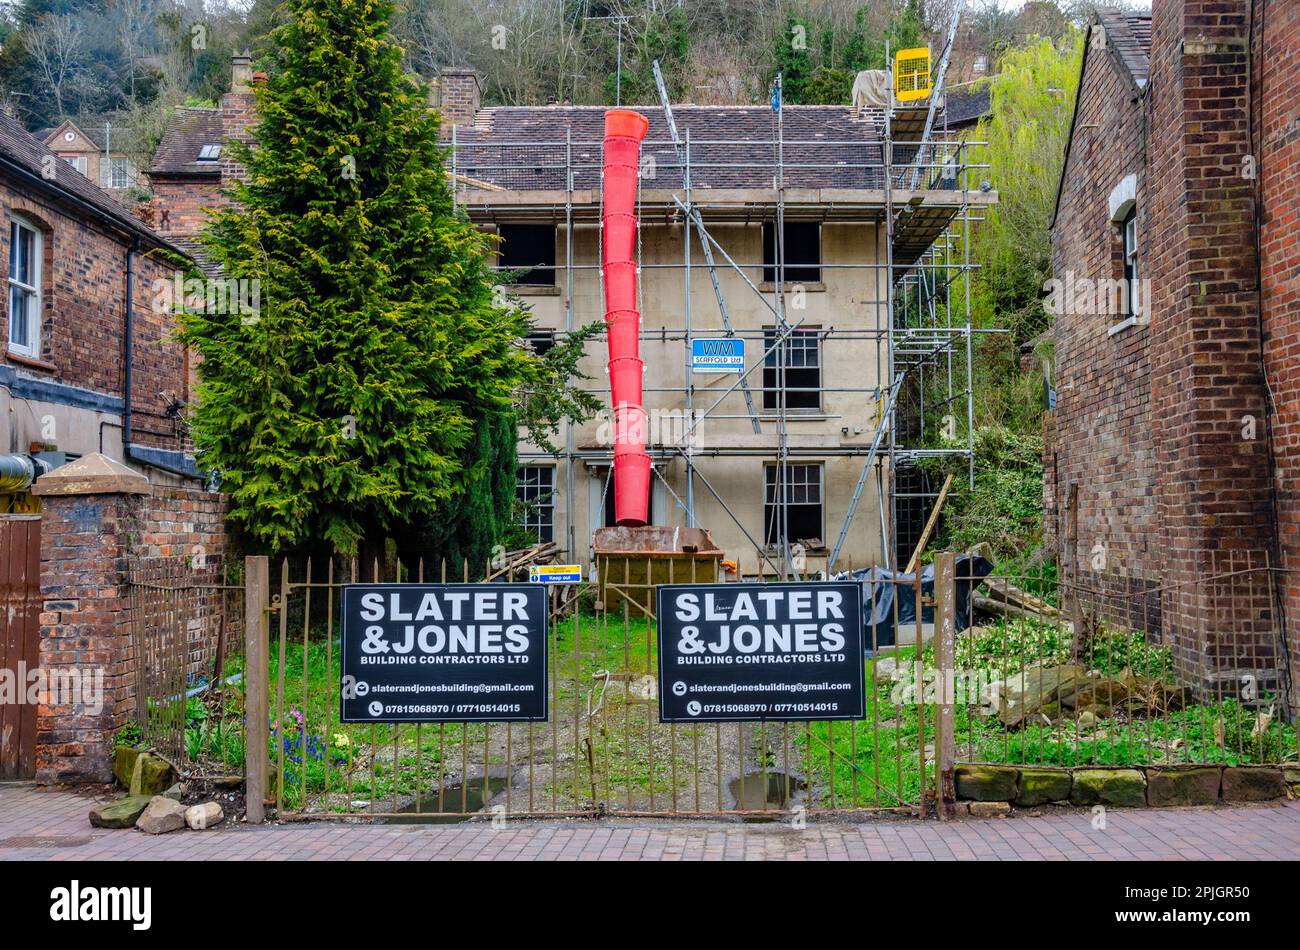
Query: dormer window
pixel 209 153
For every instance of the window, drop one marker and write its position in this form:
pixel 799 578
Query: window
pixel 981 63
pixel 210 153
pixel 541 342
pixel 803 373
pixel 530 247
pixel 120 174
pixel 803 493
pixel 803 252
pixel 24 288
pixel 1132 296
pixel 535 491
pixel 76 161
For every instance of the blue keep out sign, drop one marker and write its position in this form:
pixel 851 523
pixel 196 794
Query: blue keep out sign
pixel 718 355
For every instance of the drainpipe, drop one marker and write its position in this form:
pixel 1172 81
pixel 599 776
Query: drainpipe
pixel 128 346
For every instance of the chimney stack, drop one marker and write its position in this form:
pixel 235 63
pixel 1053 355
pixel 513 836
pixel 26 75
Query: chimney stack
pixel 458 95
pixel 241 72
pixel 238 113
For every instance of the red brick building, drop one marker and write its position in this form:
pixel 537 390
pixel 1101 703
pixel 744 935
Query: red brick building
pixel 95 468
pixel 1169 483
pixel 89 364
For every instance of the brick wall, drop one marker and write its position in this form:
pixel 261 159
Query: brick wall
pixel 89 544
pixel 1212 486
pixel 1102 447
pixel 1277 143
pixel 238 116
pixel 1154 423
pixel 178 204
pixel 84 627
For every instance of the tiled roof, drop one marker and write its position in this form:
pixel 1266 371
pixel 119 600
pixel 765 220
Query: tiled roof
pixel 523 147
pixel 21 148
pixel 1130 36
pixel 188 131
pixel 964 106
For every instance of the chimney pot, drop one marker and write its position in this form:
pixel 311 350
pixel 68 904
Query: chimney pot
pixel 240 71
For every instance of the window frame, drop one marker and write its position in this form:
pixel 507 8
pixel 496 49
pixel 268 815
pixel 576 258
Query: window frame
pixel 542 342
pixel 538 515
pixel 771 366
pixel 34 292
pixel 127 172
pixel 1130 259
pixel 771 531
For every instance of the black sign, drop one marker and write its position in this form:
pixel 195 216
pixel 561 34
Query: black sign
pixel 444 653
pixel 748 652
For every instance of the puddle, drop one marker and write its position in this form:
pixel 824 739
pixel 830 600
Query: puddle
pixel 473 801
pixel 759 791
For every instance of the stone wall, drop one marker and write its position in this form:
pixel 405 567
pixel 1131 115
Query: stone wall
pixel 992 790
pixel 457 94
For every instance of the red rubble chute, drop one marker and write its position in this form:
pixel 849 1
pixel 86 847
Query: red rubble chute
pixel 624 132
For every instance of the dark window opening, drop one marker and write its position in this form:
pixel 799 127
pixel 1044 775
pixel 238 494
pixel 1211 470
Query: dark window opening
pixel 912 509
pixel 541 341
pixel 531 248
pixel 803 371
pixel 535 491
pixel 803 252
pixel 803 493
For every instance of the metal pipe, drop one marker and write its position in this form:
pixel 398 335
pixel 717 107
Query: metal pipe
pixel 17 472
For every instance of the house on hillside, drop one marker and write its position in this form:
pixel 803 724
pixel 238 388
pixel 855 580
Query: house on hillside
pixel 532 175
pixel 1171 461
pixel 984 34
pixel 96 152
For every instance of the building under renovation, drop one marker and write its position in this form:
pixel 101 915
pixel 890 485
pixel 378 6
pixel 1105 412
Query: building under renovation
pixel 820 246
pixel 815 252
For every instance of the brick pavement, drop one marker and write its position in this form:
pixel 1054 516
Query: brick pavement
pixel 51 824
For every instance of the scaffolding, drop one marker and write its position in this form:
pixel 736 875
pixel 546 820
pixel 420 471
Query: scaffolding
pixel 919 186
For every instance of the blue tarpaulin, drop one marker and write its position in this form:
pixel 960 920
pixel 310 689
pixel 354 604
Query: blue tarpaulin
pixel 880 587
